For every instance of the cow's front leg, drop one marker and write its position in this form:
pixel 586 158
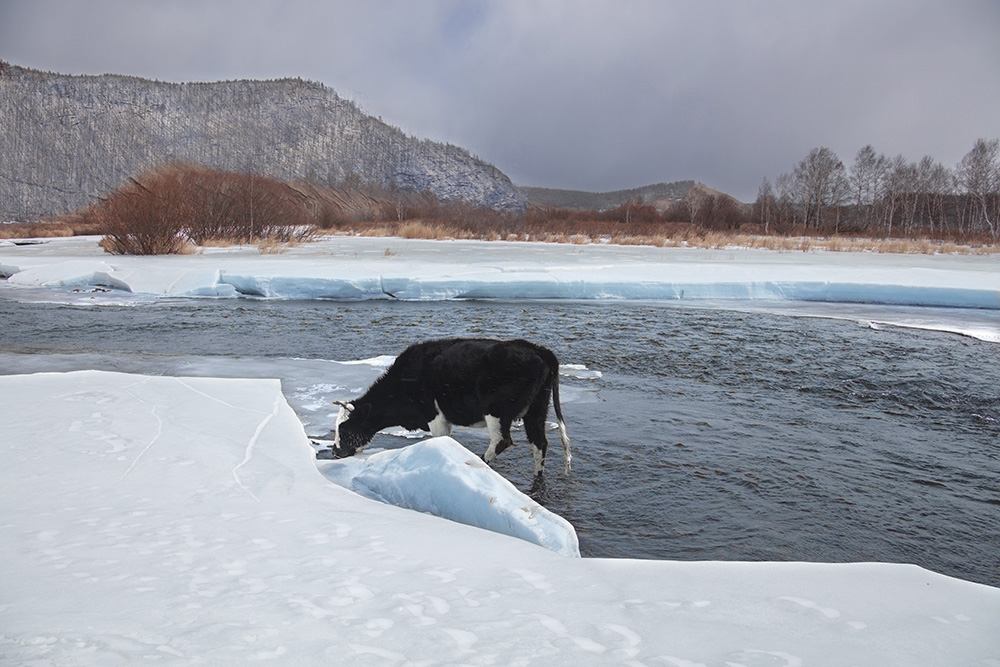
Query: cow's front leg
pixel 500 440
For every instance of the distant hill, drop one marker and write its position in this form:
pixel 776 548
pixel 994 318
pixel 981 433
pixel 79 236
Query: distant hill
pixel 700 190
pixel 659 194
pixel 66 140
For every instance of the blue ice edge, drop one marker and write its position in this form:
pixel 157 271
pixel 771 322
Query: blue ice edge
pixel 895 295
pixel 410 289
pixel 538 285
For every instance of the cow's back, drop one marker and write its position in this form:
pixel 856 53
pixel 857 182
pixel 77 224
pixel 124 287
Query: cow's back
pixel 473 377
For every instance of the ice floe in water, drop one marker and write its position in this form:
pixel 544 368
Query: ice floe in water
pixel 441 477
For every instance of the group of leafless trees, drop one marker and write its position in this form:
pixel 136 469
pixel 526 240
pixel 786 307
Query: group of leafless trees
pixel 886 196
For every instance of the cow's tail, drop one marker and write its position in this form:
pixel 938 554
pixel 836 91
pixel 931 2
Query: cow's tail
pixel 557 407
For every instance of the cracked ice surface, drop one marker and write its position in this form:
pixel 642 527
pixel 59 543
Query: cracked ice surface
pixel 223 544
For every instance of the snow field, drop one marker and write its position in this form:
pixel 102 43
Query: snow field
pixel 184 520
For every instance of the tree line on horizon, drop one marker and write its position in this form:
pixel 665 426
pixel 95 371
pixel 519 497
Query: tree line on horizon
pixel 882 196
pixel 876 197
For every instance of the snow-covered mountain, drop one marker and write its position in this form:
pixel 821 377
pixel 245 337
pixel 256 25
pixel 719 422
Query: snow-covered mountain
pixel 66 140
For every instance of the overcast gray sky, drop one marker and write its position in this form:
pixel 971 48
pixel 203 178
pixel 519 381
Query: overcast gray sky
pixel 591 95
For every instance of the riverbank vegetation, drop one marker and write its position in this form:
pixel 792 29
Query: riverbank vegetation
pixel 877 205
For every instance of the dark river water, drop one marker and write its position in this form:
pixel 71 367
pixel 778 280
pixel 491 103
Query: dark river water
pixel 712 434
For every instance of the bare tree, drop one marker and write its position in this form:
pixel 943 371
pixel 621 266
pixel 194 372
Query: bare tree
pixel 934 184
pixel 765 206
pixel 785 187
pixel 821 182
pixel 697 200
pixel 978 177
pixel 907 179
pixel 868 182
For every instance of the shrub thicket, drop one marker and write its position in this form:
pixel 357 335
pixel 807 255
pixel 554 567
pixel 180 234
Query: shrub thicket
pixel 167 210
pixel 163 211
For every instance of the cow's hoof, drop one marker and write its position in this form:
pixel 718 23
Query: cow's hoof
pixel 537 486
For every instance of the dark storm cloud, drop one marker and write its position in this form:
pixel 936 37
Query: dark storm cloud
pixel 588 95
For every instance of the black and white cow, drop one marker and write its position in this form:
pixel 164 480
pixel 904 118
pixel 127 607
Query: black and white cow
pixel 481 382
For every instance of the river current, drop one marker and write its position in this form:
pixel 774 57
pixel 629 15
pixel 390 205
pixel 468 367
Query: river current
pixel 709 435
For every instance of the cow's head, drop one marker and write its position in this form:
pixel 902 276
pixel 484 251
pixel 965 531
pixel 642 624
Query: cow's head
pixel 351 432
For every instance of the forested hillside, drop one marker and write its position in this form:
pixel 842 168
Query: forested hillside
pixel 67 140
pixel 659 194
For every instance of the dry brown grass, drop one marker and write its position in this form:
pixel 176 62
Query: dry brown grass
pixel 67 226
pixel 216 243
pixel 418 229
pixel 33 230
pixel 677 236
pixel 916 246
pixel 657 241
pixel 271 246
pixel 715 240
pixel 376 232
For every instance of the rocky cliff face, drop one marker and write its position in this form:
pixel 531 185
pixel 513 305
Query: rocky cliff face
pixel 66 140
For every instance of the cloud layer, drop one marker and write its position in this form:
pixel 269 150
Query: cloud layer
pixel 593 95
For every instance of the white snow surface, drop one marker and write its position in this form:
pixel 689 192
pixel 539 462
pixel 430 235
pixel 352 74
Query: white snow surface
pixel 182 521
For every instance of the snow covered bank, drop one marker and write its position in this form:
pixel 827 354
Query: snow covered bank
pixel 365 268
pixel 77 271
pixel 184 520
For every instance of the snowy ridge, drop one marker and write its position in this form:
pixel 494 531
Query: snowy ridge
pixel 184 521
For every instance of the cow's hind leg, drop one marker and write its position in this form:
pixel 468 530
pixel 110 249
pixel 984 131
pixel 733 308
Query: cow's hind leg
pixel 499 430
pixel 534 429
